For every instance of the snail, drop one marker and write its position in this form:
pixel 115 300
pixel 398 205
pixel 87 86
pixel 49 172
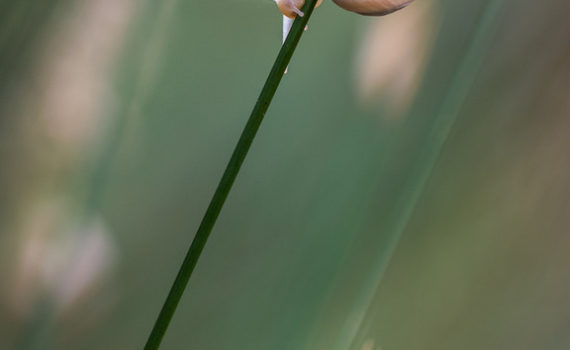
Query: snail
pixel 373 7
pixel 292 8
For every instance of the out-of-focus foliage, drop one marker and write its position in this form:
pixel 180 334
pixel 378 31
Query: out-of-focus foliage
pixel 349 228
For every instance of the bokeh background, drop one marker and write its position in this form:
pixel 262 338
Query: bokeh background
pixel 408 189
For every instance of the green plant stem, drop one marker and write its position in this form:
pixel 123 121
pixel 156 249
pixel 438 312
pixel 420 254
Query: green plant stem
pixel 228 178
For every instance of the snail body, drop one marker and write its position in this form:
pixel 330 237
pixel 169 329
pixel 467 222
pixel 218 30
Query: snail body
pixel 292 8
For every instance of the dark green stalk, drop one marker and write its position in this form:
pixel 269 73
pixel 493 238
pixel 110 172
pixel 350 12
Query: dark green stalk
pixel 228 178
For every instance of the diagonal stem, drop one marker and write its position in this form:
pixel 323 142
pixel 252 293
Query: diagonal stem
pixel 228 178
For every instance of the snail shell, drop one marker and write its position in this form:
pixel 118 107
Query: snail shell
pixel 373 7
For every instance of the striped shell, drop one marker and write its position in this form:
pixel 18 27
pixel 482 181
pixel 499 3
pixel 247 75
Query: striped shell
pixel 373 7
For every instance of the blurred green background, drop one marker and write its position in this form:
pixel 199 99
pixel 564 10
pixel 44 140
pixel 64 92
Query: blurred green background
pixel 407 190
